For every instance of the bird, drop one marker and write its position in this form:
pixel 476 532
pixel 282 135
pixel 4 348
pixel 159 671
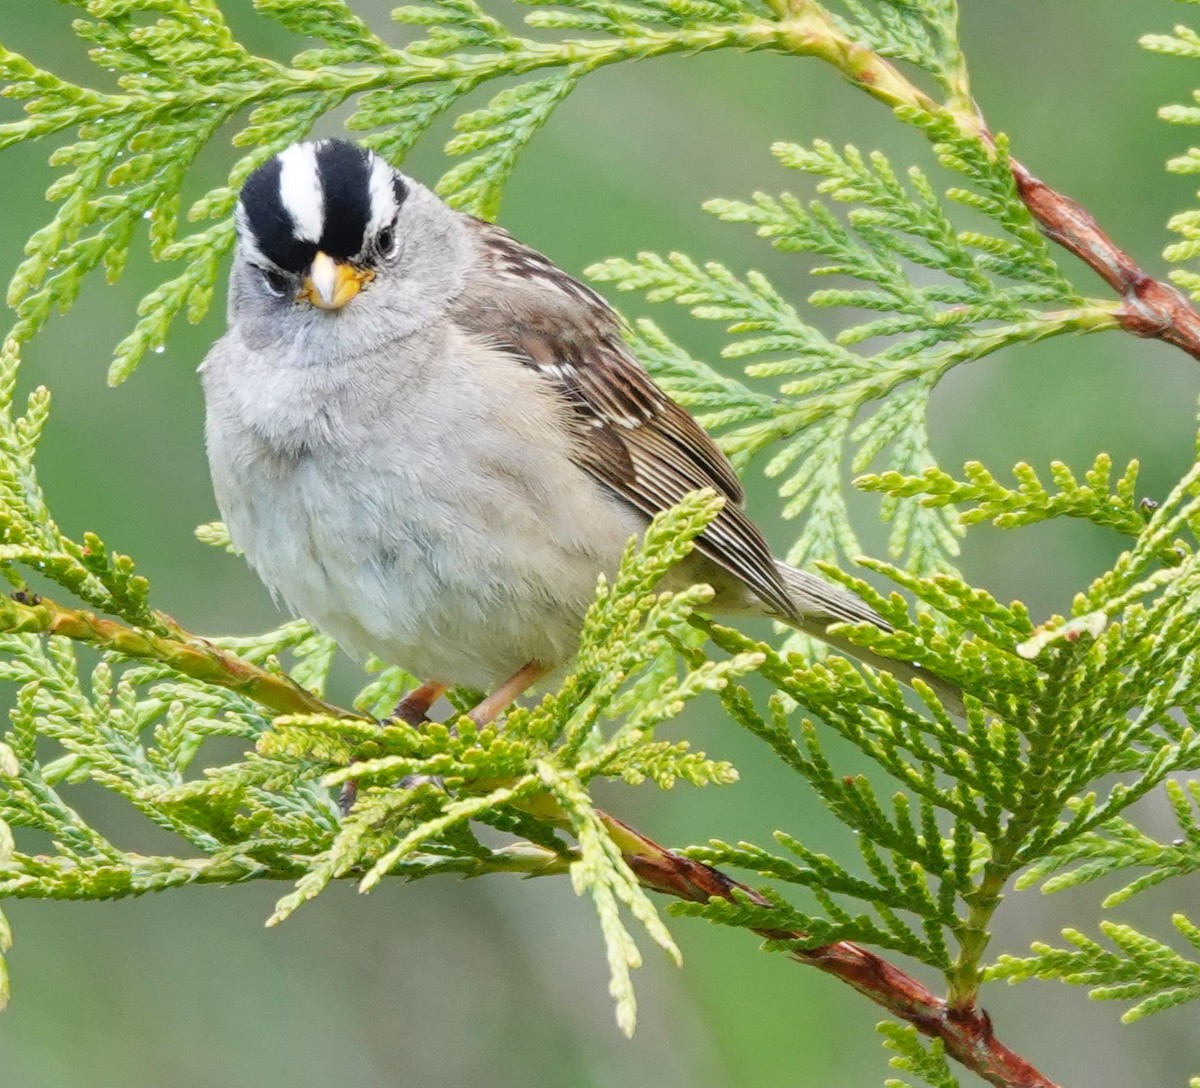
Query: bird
pixel 429 440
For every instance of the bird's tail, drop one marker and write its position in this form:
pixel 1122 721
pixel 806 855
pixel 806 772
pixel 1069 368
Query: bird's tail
pixel 819 605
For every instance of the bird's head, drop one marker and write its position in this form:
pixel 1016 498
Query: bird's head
pixel 337 247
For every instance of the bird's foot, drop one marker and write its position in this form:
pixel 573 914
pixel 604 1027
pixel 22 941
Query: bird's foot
pixel 413 710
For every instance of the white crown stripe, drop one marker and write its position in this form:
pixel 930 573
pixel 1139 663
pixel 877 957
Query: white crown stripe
pixel 300 191
pixel 382 195
pixel 248 240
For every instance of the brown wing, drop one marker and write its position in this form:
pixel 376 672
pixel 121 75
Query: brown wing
pixel 632 437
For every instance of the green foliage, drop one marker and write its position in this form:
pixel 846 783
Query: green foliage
pixel 984 498
pixel 1123 846
pixel 913 1056
pixel 1184 42
pixel 29 536
pixel 1068 722
pixel 977 292
pixel 1052 714
pixel 924 33
pixel 1140 968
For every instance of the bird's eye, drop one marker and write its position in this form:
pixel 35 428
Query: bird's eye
pixel 275 282
pixel 386 242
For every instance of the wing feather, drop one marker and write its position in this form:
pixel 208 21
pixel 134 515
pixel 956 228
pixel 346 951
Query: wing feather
pixel 631 436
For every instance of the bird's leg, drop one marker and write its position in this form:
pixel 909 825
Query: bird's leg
pixel 411 710
pixel 512 688
pixel 415 705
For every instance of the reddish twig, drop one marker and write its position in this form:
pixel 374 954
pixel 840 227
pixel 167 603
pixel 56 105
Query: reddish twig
pixel 966 1033
pixel 1149 307
pixel 192 656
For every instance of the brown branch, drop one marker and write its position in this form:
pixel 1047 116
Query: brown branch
pixel 1150 308
pixel 192 656
pixel 967 1034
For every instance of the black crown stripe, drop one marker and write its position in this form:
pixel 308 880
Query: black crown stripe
pixel 345 173
pixel 270 222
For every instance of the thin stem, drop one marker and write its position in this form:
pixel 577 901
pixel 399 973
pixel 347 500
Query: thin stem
pixel 966 1032
pixel 964 975
pixel 1150 308
pixel 188 654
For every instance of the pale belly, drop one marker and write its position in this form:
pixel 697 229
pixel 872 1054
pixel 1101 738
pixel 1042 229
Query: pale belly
pixel 419 504
pixel 460 579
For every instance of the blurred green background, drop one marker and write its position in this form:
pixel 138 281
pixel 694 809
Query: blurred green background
pixel 501 982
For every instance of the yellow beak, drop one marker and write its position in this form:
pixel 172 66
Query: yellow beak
pixel 330 284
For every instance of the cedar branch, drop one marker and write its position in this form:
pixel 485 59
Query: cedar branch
pixel 1150 307
pixel 966 1033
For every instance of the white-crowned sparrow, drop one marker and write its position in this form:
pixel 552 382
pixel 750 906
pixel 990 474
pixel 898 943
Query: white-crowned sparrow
pixel 429 441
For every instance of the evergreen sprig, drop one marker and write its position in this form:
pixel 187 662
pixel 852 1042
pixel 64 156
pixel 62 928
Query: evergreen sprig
pixel 1016 762
pixel 1052 714
pixel 1096 498
pixel 928 1062
pixel 977 292
pixel 1183 42
pixel 1138 967
pixel 29 536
